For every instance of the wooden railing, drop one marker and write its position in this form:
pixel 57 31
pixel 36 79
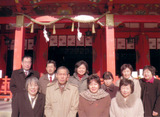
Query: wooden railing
pixel 5 92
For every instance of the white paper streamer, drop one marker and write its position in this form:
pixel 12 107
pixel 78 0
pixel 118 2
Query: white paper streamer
pixel 79 34
pixel 45 34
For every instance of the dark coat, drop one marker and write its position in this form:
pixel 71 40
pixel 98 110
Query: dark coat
pixel 18 80
pixel 22 106
pixel 112 90
pixel 150 97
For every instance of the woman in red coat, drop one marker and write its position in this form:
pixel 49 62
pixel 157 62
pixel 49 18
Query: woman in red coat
pixel 94 102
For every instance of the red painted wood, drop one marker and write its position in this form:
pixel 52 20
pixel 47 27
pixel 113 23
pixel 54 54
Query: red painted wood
pixel 41 53
pixel 136 18
pixel 18 47
pixel 110 49
pixel 142 52
pixel 97 54
pixel 3 56
pixel 5 88
pixel 136 1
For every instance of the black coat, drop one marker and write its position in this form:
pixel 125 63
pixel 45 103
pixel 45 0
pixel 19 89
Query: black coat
pixel 18 80
pixel 22 106
pixel 150 95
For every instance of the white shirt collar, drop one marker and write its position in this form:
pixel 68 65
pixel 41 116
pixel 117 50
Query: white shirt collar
pixel 32 104
pixel 53 76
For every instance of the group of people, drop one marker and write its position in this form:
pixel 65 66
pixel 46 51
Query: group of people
pixel 57 94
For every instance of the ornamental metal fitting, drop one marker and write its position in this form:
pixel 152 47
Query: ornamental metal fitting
pixel 109 20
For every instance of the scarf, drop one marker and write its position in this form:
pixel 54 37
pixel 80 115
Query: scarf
pixel 94 96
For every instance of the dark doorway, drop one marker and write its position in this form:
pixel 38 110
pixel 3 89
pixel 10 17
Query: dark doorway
pixel 154 59
pixel 125 56
pixel 68 56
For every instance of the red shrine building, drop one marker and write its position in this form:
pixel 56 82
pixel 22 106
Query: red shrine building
pixel 114 32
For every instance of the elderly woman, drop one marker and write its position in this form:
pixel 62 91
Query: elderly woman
pixel 80 76
pixel 30 103
pixel 108 85
pixel 126 71
pixel 94 102
pixel 150 92
pixel 125 104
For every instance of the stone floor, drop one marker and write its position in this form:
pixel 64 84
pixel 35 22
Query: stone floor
pixel 5 108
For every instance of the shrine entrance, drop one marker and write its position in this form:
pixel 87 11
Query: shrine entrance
pixel 68 56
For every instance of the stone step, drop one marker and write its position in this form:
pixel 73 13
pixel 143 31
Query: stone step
pixel 5 108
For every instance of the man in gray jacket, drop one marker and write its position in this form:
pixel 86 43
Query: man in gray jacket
pixel 49 77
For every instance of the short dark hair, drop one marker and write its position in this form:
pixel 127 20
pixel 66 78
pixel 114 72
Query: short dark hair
pixel 94 77
pixel 107 75
pixel 126 82
pixel 51 61
pixel 26 56
pixel 124 66
pixel 150 68
pixel 79 63
pixel 63 67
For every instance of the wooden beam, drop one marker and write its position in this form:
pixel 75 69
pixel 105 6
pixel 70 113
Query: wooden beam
pixel 117 19
pixel 136 18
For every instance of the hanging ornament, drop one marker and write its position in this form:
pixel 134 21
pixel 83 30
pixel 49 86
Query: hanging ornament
pixel 54 29
pixel 93 28
pixel 79 34
pixel 72 29
pixel 45 34
pixel 32 27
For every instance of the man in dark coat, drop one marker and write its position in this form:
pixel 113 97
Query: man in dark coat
pixel 20 76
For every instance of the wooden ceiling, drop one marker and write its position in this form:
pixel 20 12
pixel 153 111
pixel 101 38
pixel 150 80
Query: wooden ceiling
pixel 76 7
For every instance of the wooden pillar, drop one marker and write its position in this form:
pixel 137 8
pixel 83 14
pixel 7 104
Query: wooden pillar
pixel 19 42
pixel 110 44
pixel 142 52
pixel 41 53
pixel 97 65
pixel 3 56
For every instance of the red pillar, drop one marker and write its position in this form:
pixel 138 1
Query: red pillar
pixel 142 52
pixel 3 56
pixel 110 44
pixel 98 55
pixel 41 53
pixel 18 47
